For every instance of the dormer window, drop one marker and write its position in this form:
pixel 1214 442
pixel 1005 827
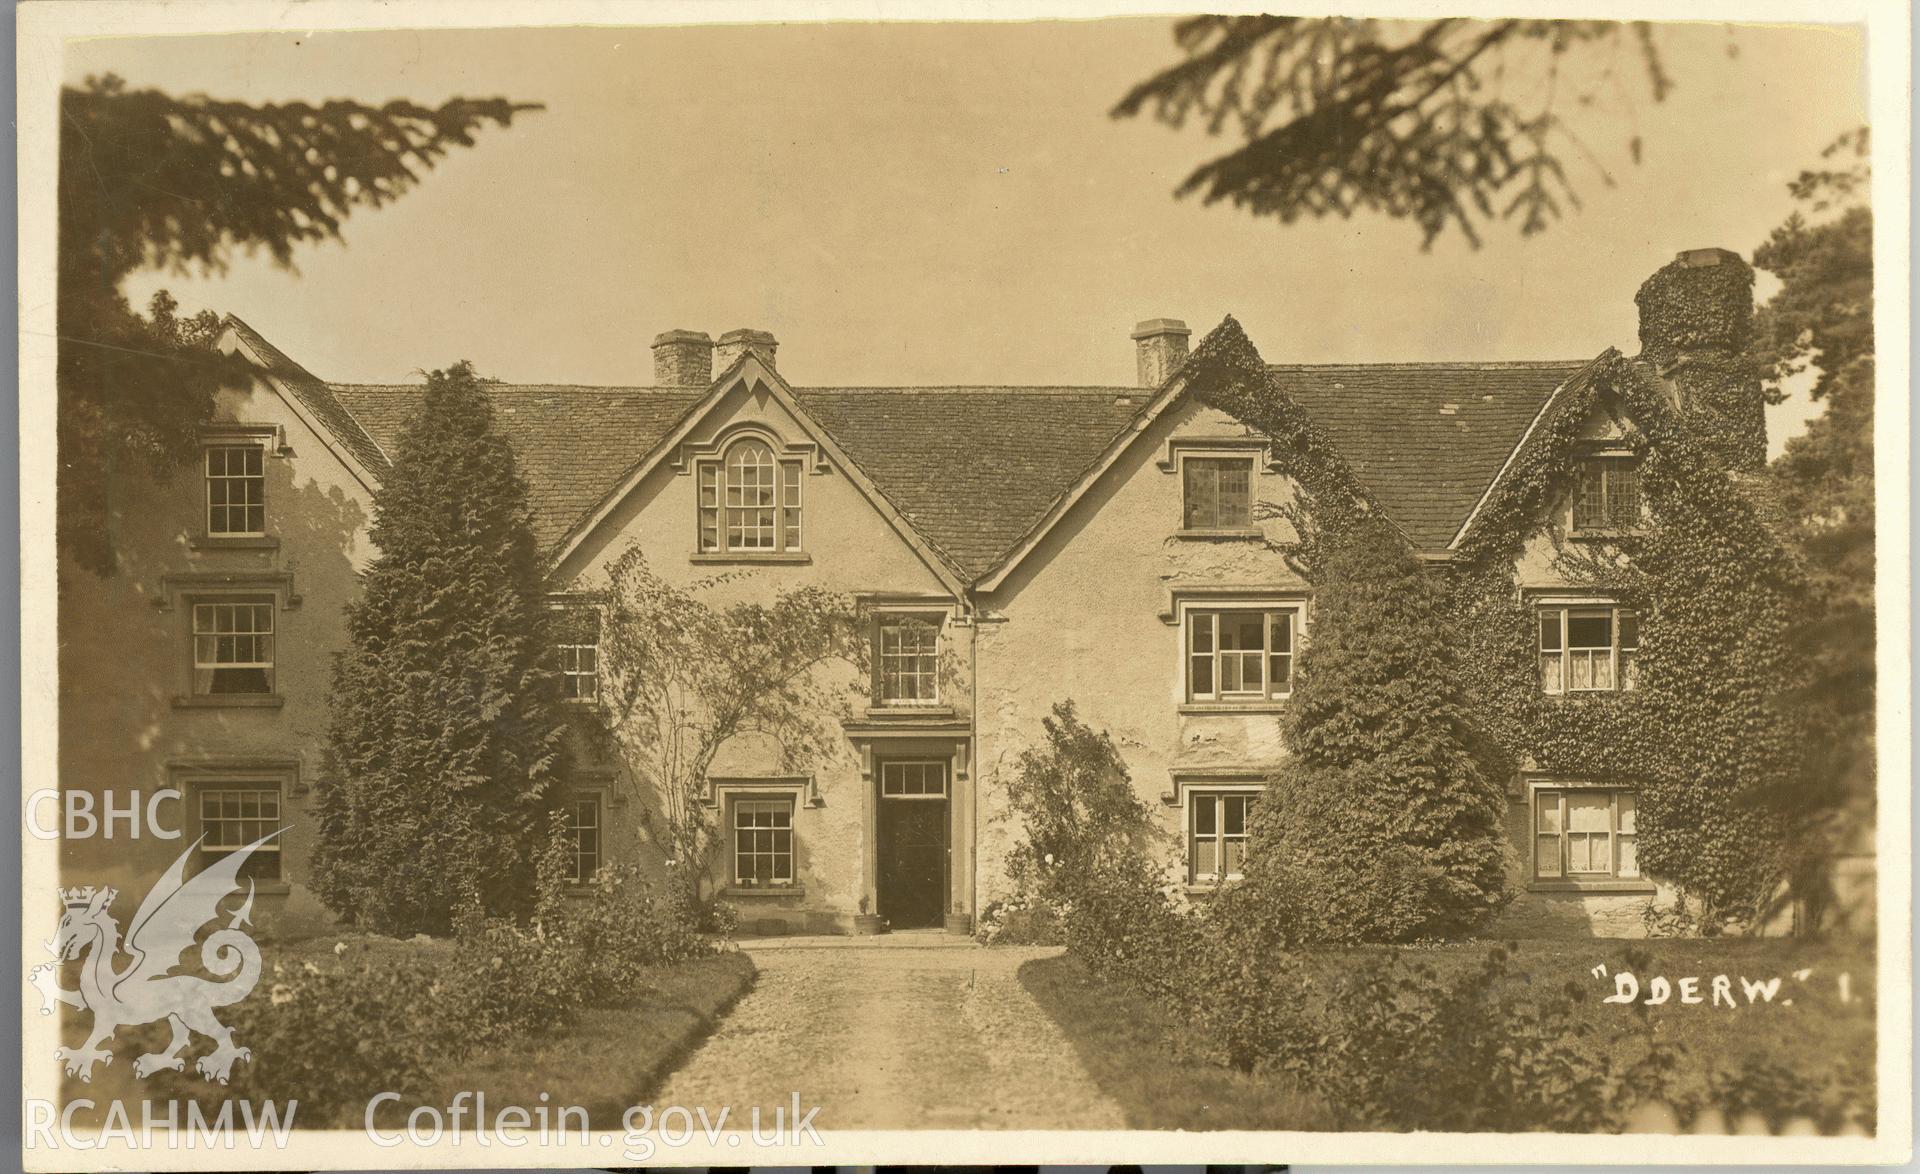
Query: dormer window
pixel 1606 495
pixel 749 500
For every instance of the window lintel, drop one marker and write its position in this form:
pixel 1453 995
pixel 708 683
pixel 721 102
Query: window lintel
pixel 1254 448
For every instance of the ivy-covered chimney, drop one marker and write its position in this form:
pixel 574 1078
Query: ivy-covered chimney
pixel 1696 317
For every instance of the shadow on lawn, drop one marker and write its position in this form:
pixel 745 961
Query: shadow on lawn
pixel 1130 1046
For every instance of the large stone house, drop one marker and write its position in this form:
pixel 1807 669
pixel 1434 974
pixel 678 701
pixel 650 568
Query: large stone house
pixel 1115 546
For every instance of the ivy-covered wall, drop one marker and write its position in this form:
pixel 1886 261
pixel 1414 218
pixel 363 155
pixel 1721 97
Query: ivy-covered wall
pixel 1706 739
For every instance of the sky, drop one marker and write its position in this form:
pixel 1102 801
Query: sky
pixel 949 204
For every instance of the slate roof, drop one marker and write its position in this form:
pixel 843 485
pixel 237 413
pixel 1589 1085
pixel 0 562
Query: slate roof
pixel 573 443
pixel 317 397
pixel 1426 438
pixel 973 469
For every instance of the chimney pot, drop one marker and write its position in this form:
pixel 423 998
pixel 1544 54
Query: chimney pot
pixel 735 343
pixel 682 358
pixel 1160 345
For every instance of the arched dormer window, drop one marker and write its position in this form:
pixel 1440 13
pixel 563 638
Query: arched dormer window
pixel 749 500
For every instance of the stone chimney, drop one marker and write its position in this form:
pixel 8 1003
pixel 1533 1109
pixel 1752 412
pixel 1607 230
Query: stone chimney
pixel 1696 317
pixel 1160 344
pixel 682 358
pixel 735 343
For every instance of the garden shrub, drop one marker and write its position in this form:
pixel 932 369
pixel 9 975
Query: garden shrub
pixel 1400 1046
pixel 1381 826
pixel 1022 920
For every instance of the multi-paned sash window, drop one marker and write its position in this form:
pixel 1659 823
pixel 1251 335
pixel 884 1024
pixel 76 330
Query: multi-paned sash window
pixel 233 647
pixel 1217 834
pixel 762 841
pixel 583 823
pixel 1240 655
pixel 236 491
pixel 749 500
pixel 579 655
pixel 1588 649
pixel 1585 833
pixel 907 661
pixel 233 815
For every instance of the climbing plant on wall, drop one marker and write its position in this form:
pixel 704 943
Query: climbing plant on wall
pixel 1705 736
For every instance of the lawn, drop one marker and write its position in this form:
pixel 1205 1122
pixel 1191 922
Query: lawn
pixel 609 1058
pixel 1134 1049
pixel 612 1057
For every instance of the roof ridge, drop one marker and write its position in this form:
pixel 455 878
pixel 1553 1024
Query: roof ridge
pixel 1424 364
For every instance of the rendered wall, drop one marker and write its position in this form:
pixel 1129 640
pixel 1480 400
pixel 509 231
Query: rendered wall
pixel 124 661
pixel 1086 618
pixel 851 549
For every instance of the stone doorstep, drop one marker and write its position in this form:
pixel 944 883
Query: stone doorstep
pixel 907 939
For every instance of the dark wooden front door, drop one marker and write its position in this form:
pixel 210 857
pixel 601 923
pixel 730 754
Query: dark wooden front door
pixel 913 844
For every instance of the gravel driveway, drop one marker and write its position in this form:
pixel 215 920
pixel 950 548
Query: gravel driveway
pixel 889 1038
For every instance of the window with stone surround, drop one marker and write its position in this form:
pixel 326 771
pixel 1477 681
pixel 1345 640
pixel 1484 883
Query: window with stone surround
pixel 1217 833
pixel 1606 494
pixel 233 650
pixel 229 815
pixel 1240 654
pixel 1217 492
pixel 749 500
pixel 761 831
pixel 1587 648
pixel 906 661
pixel 236 489
pixel 1584 834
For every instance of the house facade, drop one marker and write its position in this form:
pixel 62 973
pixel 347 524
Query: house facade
pixel 1120 547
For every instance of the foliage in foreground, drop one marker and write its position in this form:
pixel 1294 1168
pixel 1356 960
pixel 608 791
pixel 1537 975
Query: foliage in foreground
pixel 1391 1043
pixel 331 1036
pixel 447 724
pixel 148 180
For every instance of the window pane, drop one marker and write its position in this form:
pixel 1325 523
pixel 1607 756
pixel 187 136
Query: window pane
pixel 1590 630
pixel 1547 813
pixel 1546 856
pixel 1201 680
pixel 1201 489
pixel 1235 503
pixel 1589 811
pixel 1550 631
pixel 1629 629
pixel 1623 495
pixel 1551 669
pixel 1625 801
pixel 1200 628
pixel 1589 501
pixel 1206 858
pixel 1236 814
pixel 1629 855
pixel 1205 815
pixel 1586 853
pixel 1235 857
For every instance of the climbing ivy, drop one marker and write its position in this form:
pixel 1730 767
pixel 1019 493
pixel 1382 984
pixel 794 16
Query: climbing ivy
pixel 1704 737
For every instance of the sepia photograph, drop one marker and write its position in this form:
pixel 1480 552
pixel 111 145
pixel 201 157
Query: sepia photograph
pixel 609 586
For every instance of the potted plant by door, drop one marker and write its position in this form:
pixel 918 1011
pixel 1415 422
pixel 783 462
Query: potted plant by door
pixel 959 921
pixel 867 924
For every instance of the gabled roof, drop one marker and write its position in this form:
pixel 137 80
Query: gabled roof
pixel 1426 439
pixel 573 443
pixel 978 473
pixel 315 396
pixel 973 468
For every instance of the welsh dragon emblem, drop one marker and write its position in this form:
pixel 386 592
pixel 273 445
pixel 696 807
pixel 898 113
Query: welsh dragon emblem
pixel 146 990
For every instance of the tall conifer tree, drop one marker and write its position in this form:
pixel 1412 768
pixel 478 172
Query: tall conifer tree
pixel 447 727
